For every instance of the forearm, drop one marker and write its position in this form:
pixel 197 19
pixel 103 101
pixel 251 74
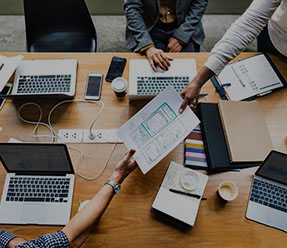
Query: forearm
pixel 202 76
pixel 241 33
pixel 81 224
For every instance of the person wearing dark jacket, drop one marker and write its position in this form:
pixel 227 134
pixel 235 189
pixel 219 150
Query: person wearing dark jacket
pixel 158 26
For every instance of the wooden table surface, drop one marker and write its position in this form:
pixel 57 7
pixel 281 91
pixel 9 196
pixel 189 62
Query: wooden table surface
pixel 127 222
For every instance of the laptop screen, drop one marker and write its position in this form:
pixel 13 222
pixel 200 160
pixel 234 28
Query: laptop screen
pixel 47 159
pixel 274 167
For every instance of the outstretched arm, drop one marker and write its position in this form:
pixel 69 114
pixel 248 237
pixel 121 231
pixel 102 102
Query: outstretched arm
pixel 234 41
pixel 78 229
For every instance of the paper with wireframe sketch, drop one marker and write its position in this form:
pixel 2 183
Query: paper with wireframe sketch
pixel 157 128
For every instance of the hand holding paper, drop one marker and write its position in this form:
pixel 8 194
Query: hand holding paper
pixel 157 129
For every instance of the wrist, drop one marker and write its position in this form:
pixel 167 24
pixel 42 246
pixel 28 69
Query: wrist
pixel 117 178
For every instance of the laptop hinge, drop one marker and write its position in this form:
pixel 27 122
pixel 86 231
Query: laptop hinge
pixel 39 174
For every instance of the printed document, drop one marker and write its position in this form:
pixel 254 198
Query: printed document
pixel 157 129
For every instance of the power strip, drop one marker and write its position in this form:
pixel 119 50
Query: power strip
pixel 100 136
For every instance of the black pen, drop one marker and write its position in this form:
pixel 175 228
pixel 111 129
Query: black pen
pixel 1 66
pixel 201 95
pixel 185 193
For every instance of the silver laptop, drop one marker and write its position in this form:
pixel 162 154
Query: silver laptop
pixel 50 78
pixel 144 83
pixel 268 197
pixel 39 184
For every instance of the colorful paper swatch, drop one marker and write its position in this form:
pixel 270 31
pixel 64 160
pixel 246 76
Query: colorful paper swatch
pixel 194 150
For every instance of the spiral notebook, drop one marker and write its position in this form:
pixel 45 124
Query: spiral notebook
pixel 248 78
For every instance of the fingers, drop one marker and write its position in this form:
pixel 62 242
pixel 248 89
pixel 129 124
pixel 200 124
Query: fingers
pixel 129 154
pixel 161 62
pixel 174 46
pixel 152 65
pixel 183 105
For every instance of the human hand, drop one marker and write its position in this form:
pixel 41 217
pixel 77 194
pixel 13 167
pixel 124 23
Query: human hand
pixel 191 91
pixel 124 167
pixel 157 57
pixel 189 95
pixel 174 45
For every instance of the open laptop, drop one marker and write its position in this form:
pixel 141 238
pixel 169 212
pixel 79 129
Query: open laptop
pixel 39 185
pixel 45 78
pixel 268 197
pixel 144 83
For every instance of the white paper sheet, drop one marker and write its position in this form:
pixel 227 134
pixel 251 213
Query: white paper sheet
pixel 8 68
pixel 157 129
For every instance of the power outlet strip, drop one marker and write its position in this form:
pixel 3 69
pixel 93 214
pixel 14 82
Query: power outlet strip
pixel 100 136
pixel 70 136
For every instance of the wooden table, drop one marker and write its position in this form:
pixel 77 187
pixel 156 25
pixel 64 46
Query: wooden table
pixel 127 221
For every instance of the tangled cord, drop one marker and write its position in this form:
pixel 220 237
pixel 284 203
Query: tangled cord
pixel 54 134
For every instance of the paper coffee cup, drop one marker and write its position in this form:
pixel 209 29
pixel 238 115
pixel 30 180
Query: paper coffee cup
pixel 227 191
pixel 119 86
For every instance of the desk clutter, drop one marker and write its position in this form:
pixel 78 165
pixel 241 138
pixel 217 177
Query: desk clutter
pixel 223 136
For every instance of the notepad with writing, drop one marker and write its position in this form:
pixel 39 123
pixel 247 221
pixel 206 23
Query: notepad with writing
pixel 245 131
pixel 179 208
pixel 249 78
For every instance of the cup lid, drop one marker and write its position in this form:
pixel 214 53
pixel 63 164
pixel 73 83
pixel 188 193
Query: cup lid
pixel 119 84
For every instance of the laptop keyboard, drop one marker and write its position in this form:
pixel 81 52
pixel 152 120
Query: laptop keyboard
pixel 269 195
pixel 39 84
pixel 38 189
pixel 154 85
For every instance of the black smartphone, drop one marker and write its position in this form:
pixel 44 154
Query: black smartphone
pixel 94 86
pixel 116 68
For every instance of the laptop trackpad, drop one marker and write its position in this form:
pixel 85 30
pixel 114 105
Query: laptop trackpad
pixel 34 213
pixel 276 219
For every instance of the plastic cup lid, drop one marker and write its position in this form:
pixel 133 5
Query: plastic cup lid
pixel 119 84
pixel 189 180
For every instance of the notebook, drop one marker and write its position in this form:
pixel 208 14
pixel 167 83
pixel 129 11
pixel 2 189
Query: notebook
pixel 245 131
pixel 194 154
pixel 248 78
pixel 178 208
pixel 214 140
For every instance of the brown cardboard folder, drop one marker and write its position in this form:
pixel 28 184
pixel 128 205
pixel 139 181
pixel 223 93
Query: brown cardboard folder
pixel 245 131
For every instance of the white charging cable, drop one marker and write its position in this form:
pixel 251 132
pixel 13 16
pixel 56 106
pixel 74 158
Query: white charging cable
pixel 37 123
pixel 54 134
pixel 92 136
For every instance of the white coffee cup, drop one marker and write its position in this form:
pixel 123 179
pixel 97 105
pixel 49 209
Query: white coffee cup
pixel 227 191
pixel 119 86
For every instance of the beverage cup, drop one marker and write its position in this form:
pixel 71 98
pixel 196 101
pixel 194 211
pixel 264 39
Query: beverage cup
pixel 227 191
pixel 119 86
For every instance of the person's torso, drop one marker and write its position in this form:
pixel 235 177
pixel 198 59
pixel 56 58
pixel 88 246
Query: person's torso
pixel 167 11
pixel 277 28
